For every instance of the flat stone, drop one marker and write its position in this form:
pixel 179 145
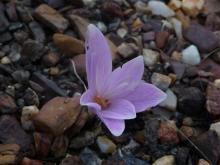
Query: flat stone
pixel 126 50
pixel 161 39
pixel 11 132
pixel 57 115
pixel 204 39
pixel 51 18
pixel 69 45
pixel 80 64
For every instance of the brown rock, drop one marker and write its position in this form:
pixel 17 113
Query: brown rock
pixel 51 59
pixel 80 24
pixel 204 39
pixel 8 153
pixel 57 115
pixel 59 146
pixel 167 133
pixel 213 99
pixel 51 18
pixel 80 64
pixel 161 39
pixel 112 8
pixel 42 143
pixel 7 104
pixel 69 45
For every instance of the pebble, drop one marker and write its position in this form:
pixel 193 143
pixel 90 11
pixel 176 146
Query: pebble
pixel 209 144
pixel 191 101
pixel 27 161
pixel 5 37
pixel 204 39
pixel 59 146
pixel 160 8
pixel 5 60
pixel 126 50
pixel 203 162
pixel 33 50
pixel 106 145
pixel 9 154
pixel 51 59
pixel 175 4
pixel 213 99
pixel 161 39
pixel 177 25
pixel 37 31
pixel 89 3
pixel 70 160
pixel 7 104
pixel 191 55
pixel 150 57
pixel 161 81
pixel 11 132
pixel 21 76
pixel 69 45
pixel 57 115
pixel 165 160
pixel 122 32
pixel 102 27
pixel 167 133
pixel 170 102
pixel 192 8
pixel 149 36
pixel 42 142
pixel 3 21
pixel 89 157
pixel 28 113
pixel 51 18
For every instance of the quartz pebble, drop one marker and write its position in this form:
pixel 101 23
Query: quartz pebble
pixel 161 81
pixel 150 57
pixel 170 102
pixel 106 145
pixel 175 4
pixel 192 8
pixel 160 8
pixel 191 56
pixel 165 160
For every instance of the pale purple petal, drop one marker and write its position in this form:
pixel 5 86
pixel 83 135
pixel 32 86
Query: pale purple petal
pixel 98 59
pixel 145 96
pixel 124 80
pixel 119 109
pixel 116 127
pixel 87 100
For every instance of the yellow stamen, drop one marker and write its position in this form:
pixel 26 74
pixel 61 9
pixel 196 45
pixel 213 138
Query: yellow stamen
pixel 102 102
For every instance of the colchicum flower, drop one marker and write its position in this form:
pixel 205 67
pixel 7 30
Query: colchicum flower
pixel 115 96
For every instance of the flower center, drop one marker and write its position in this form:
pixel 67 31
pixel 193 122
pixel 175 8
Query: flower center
pixel 101 101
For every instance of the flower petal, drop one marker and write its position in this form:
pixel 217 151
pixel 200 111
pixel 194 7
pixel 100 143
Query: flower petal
pixel 98 58
pixel 119 109
pixel 116 127
pixel 123 80
pixel 87 100
pixel 145 96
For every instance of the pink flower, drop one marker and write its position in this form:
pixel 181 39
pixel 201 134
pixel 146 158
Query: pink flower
pixel 115 96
